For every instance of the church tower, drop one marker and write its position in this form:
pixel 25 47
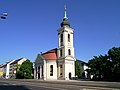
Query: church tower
pixel 66 66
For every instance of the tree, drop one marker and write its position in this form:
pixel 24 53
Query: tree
pixel 19 75
pixel 114 55
pixel 77 69
pixel 18 67
pixel 106 67
pixel 100 67
pixel 25 71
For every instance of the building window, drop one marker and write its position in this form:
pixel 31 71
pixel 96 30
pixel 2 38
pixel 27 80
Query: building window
pixel 61 53
pixel 61 37
pixel 60 66
pixel 68 37
pixel 51 70
pixel 69 52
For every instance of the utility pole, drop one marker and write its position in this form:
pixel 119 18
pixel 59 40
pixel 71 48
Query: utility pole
pixel 3 15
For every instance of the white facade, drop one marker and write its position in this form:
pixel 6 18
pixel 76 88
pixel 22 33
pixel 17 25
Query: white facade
pixel 8 69
pixel 66 59
pixel 42 69
pixel 48 64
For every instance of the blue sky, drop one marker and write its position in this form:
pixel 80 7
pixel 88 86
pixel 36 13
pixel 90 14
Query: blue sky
pixel 31 27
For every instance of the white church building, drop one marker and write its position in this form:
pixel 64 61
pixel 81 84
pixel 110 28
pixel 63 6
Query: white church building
pixel 58 63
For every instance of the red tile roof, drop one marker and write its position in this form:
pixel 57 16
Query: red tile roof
pixel 50 55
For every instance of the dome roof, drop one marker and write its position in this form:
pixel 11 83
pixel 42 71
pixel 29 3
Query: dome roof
pixel 65 22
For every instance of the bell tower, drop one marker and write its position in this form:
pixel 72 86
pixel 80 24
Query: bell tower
pixel 66 66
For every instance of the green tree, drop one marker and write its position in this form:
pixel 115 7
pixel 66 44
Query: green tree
pixel 77 69
pixel 114 55
pixel 19 75
pixel 25 71
pixel 18 67
pixel 100 67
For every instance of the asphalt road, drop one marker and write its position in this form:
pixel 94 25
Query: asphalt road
pixel 57 85
pixel 14 86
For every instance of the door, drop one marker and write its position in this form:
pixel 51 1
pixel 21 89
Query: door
pixel 70 75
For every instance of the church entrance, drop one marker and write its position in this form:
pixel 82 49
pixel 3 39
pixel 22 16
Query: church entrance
pixel 70 75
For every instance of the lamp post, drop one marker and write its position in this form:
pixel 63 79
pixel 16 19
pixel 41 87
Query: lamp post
pixel 3 15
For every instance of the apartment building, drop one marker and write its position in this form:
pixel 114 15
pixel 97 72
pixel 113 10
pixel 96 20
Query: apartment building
pixel 13 67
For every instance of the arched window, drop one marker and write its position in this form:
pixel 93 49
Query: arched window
pixel 51 70
pixel 68 37
pixel 69 52
pixel 61 37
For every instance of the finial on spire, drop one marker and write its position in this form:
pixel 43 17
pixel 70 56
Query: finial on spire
pixel 65 21
pixel 65 13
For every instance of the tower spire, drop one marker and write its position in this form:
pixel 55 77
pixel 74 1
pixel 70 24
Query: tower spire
pixel 65 12
pixel 65 21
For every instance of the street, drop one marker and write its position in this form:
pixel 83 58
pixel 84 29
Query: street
pixel 57 85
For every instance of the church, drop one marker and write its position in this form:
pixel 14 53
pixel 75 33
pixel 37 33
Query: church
pixel 58 63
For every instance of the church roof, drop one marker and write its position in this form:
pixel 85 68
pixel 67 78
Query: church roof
pixel 50 55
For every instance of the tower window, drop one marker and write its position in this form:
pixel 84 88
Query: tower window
pixel 69 52
pixel 68 37
pixel 61 53
pixel 61 37
pixel 51 70
pixel 60 66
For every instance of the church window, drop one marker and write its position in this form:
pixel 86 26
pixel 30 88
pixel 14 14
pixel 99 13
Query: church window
pixel 68 37
pixel 61 37
pixel 69 52
pixel 60 66
pixel 51 70
pixel 61 53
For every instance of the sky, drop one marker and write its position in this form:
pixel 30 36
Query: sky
pixel 31 27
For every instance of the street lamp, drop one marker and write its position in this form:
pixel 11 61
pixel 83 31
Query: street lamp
pixel 3 15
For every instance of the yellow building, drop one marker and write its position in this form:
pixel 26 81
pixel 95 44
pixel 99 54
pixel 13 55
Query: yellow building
pixel 1 74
